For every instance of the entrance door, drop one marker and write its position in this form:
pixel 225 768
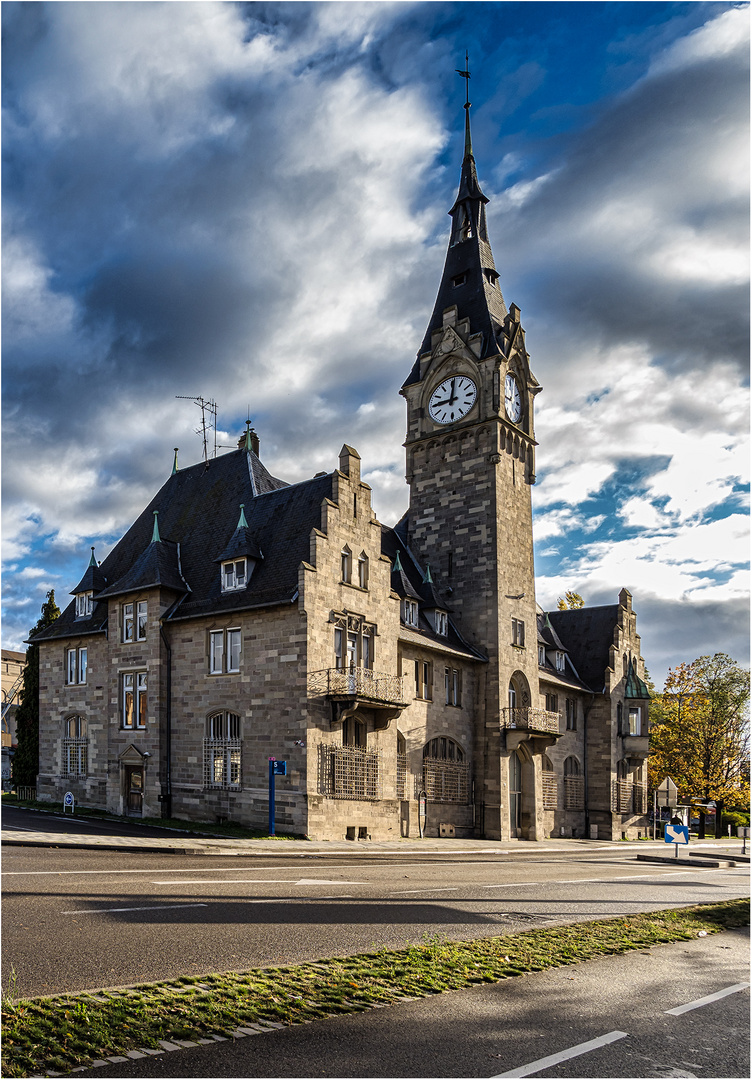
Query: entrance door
pixel 515 795
pixel 134 790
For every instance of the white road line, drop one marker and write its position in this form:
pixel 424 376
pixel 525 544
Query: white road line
pixel 155 907
pixel 258 881
pixel 605 880
pixel 706 1000
pixel 564 1055
pixel 158 870
pixel 428 888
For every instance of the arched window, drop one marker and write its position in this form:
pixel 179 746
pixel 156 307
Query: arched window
pixel 443 749
pixel 548 784
pixel 75 746
pixel 619 718
pixel 363 570
pixel 546 765
pixel 574 785
pixel 625 663
pixel 512 696
pixel 401 765
pixel 346 564
pixel 222 747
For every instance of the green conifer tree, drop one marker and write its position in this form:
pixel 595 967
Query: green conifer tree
pixel 26 759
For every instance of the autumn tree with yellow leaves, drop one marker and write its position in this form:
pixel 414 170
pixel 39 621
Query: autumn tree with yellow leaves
pixel 699 734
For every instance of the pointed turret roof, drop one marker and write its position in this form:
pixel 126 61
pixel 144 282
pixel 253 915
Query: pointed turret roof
pixel 635 687
pixel 241 542
pixel 93 580
pixel 158 565
pixel 430 597
pixel 470 280
pixel 401 582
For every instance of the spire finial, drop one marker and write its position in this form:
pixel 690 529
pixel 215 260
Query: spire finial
pixel 242 523
pixel 466 76
pixel 175 462
pixel 397 568
pixel 92 560
pixel 155 535
pixel 248 444
pixel 428 580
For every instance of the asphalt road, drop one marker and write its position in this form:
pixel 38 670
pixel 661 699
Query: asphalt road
pixel 605 1018
pixel 109 918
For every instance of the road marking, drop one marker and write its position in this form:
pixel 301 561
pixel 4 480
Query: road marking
pixel 428 888
pixel 155 907
pixel 706 1000
pixel 158 870
pixel 564 1055
pixel 259 881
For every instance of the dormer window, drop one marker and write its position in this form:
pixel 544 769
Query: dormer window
pixel 84 604
pixel 234 575
pixel 541 656
pixel 410 612
pixel 442 623
pixel 559 661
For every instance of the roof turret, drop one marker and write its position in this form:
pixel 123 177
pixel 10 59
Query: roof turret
pixel 93 580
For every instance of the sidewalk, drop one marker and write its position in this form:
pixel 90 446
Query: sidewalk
pixel 316 849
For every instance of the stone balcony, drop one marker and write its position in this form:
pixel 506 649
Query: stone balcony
pixel 350 689
pixel 636 748
pixel 528 724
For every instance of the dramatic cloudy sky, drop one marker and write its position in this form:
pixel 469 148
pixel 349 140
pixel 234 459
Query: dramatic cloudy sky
pixel 248 202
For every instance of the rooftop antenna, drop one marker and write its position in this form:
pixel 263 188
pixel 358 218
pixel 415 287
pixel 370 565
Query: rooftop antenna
pixel 208 420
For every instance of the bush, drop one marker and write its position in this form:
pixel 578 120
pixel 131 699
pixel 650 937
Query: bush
pixel 734 818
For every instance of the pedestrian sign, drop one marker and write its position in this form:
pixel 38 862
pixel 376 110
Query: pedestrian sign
pixel 676 834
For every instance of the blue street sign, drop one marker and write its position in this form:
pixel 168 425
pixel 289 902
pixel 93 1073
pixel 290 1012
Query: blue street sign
pixel 280 768
pixel 68 800
pixel 676 834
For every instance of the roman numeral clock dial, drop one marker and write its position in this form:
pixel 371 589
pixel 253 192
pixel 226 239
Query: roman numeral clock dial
pixel 452 399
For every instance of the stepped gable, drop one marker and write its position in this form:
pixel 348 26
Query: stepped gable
pixel 589 635
pixel 198 509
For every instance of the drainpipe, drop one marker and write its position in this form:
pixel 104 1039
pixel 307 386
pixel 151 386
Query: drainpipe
pixel 585 714
pixel 165 796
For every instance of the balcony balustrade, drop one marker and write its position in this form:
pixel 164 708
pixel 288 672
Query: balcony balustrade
pixel 377 688
pixel 536 721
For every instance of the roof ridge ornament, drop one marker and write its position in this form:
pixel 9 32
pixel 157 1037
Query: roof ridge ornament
pixel 242 523
pixel 427 579
pixel 396 568
pixel 92 560
pixel 155 538
pixel 466 76
pixel 175 462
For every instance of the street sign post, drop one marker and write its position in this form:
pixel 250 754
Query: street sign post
pixel 666 794
pixel 421 813
pixel 675 833
pixel 69 801
pixel 276 768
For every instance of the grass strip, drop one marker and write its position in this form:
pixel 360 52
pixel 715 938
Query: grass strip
pixel 69 1030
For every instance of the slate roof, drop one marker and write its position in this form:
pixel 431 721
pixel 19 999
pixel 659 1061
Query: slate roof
pixel 409 583
pixel 198 511
pixel 477 299
pixel 589 634
pixel 93 580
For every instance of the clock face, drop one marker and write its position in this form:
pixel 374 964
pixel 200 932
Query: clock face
pixel 512 399
pixel 452 399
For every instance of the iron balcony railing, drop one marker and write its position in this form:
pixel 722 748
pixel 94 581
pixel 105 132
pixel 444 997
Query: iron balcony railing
pixel 357 682
pixel 528 719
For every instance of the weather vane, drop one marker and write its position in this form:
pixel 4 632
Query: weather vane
pixel 466 76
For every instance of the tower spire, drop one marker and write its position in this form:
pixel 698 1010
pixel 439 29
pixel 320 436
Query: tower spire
pixel 470 281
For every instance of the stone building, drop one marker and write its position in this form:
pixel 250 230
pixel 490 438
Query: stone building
pixel 13 664
pixel 405 675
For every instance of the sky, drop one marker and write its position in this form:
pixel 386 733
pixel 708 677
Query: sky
pixel 248 202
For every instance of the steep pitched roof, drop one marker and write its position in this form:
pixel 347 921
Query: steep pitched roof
pixel 198 509
pixel 470 279
pixel 93 579
pixel 589 634
pixel 635 687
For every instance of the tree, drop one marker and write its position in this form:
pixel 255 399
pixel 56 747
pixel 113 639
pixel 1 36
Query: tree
pixel 699 733
pixel 570 600
pixel 26 759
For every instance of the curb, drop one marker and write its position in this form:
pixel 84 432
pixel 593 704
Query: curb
pixel 697 861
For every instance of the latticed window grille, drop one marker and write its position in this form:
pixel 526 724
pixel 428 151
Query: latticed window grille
pixel 621 797
pixel 75 757
pixel 401 776
pixel 639 798
pixel 550 791
pixel 446 781
pixel 574 793
pixel 222 764
pixel 349 772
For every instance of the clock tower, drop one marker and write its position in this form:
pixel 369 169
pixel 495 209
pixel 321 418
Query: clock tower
pixel 470 458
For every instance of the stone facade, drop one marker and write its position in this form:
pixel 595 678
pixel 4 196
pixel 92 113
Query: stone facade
pixel 405 676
